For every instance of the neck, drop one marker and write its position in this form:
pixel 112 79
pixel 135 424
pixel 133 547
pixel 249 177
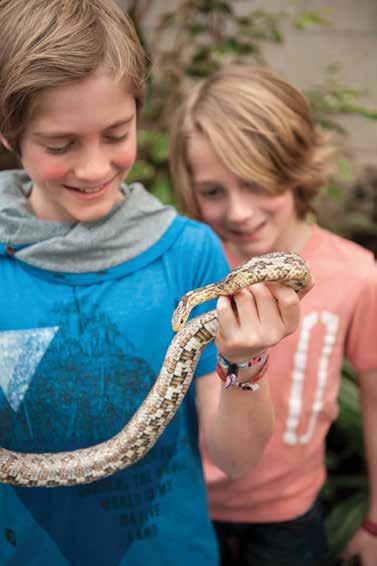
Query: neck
pixel 296 237
pixel 294 240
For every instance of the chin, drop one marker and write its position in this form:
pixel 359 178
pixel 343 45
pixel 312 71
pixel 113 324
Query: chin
pixel 255 251
pixel 92 215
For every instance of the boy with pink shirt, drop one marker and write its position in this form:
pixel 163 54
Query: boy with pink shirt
pixel 247 159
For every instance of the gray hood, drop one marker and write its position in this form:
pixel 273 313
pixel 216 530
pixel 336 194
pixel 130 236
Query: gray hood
pixel 130 228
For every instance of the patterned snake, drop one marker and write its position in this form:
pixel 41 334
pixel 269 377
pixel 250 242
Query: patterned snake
pixel 141 433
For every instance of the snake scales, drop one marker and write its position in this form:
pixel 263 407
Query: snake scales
pixel 150 420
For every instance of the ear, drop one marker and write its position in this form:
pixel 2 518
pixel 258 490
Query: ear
pixel 5 143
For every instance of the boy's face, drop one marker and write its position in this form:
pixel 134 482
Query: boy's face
pixel 78 145
pixel 248 219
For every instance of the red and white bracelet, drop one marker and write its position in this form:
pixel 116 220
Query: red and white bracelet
pixel 228 371
pixel 370 527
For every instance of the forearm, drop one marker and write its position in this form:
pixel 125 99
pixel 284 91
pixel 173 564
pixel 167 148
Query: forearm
pixel 238 423
pixel 240 428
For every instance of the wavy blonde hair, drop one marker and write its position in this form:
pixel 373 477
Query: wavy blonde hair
pixel 261 129
pixel 45 44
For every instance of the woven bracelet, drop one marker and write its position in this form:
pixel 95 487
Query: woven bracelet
pixel 225 364
pixel 229 373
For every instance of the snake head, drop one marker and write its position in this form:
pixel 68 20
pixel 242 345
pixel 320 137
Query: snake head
pixel 180 315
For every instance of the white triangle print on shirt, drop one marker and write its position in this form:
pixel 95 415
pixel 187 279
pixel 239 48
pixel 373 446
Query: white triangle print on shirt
pixel 20 353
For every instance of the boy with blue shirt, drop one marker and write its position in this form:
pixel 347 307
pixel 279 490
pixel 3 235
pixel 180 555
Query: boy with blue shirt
pixel 90 272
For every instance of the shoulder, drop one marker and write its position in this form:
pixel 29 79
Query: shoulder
pixel 193 229
pixel 196 257
pixel 195 235
pixel 341 254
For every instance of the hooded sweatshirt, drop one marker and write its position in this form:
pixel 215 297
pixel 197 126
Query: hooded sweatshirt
pixel 84 328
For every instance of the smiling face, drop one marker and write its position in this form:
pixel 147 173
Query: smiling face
pixel 78 145
pixel 248 219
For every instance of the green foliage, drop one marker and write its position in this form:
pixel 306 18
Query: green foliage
pixel 188 44
pixel 199 36
pixel 344 520
pixel 194 40
pixel 346 491
pixel 346 169
pixel 332 98
pixel 349 412
pixel 219 33
pixel 151 167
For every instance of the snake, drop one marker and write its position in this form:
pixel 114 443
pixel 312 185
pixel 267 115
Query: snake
pixel 139 435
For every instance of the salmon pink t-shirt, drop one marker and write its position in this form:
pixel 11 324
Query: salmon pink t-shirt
pixel 338 319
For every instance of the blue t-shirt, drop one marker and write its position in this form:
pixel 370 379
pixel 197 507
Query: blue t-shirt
pixel 78 354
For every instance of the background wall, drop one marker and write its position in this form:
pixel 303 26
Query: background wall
pixel 346 36
pixel 349 39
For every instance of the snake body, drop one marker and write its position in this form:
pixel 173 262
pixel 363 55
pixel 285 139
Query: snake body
pixel 159 407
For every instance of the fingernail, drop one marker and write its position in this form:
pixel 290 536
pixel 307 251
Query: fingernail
pixel 221 302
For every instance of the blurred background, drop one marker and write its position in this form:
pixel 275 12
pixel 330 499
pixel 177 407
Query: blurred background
pixel 328 50
pixel 324 48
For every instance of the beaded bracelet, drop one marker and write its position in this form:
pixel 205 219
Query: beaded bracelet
pixel 370 527
pixel 228 371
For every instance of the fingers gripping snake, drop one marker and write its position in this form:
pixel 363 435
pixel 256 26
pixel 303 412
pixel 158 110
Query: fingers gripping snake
pixel 150 420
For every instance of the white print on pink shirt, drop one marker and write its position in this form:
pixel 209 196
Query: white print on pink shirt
pixel 331 324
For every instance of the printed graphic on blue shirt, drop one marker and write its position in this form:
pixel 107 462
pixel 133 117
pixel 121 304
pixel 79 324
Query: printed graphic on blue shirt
pixel 79 352
pixel 71 385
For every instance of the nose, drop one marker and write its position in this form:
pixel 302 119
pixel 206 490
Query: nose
pixel 240 207
pixel 93 165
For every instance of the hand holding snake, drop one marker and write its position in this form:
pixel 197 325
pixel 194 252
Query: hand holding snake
pixel 143 430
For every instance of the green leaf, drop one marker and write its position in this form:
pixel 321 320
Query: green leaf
pixel 159 150
pixel 349 418
pixel 358 222
pixel 142 171
pixel 349 406
pixel 224 8
pixel 233 45
pixel 162 189
pixel 371 114
pixel 196 29
pixel 344 520
pixel 201 54
pixel 334 191
pixel 213 6
pixel 144 138
pixel 308 19
pixel 351 481
pixel 348 371
pixel 277 36
pixel 346 171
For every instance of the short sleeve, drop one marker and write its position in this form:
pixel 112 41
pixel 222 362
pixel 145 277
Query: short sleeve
pixel 200 260
pixel 361 338
pixel 217 268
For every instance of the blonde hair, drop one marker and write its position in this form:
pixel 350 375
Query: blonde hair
pixel 49 43
pixel 261 129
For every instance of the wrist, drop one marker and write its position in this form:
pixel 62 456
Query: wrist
pixel 244 375
pixel 241 363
